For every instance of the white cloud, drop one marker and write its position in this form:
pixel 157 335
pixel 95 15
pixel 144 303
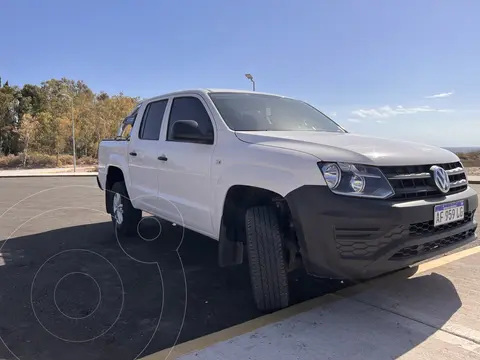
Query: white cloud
pixel 333 114
pixel 354 120
pixel 387 111
pixel 364 113
pixel 441 95
pixel 381 121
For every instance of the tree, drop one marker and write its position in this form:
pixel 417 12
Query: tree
pixel 39 117
pixel 27 132
pixel 9 106
pixel 33 100
pixel 102 96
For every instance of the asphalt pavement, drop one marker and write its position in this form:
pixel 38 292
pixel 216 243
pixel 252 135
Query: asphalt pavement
pixel 72 290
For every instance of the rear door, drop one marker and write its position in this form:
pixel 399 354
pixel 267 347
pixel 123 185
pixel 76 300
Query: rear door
pixel 184 172
pixel 142 154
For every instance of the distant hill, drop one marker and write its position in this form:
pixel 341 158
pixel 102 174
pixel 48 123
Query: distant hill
pixel 464 149
pixel 470 156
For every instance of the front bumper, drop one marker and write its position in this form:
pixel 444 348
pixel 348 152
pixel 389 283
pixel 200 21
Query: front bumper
pixel 354 238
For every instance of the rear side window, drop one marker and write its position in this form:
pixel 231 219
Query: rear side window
pixel 123 132
pixel 152 120
pixel 189 108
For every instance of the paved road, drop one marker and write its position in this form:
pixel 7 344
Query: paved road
pixel 71 289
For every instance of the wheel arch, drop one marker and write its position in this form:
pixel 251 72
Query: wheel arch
pixel 114 174
pixel 232 227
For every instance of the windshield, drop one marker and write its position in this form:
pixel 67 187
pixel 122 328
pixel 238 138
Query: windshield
pixel 259 112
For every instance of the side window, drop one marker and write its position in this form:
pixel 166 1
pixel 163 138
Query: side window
pixel 126 126
pixel 189 108
pixel 126 130
pixel 152 120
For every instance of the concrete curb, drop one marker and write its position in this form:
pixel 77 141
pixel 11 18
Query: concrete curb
pixel 473 179
pixel 82 174
pixel 206 341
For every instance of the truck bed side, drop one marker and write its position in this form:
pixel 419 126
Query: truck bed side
pixel 112 153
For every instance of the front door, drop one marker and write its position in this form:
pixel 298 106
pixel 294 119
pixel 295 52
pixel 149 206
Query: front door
pixel 184 174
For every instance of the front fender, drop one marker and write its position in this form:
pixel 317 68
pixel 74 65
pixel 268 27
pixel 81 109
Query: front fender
pixel 279 179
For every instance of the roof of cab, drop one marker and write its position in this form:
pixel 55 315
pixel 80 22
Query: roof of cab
pixel 210 90
pixel 238 91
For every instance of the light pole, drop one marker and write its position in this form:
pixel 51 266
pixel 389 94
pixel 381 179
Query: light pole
pixel 250 77
pixel 73 135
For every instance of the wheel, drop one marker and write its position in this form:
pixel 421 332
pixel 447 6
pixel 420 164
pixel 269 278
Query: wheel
pixel 125 217
pixel 266 259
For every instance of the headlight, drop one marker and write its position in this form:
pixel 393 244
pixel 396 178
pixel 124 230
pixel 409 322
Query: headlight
pixel 332 175
pixel 356 180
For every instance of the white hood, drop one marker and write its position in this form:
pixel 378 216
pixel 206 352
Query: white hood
pixel 346 147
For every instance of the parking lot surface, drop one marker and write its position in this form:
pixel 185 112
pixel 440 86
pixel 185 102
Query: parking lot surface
pixel 72 290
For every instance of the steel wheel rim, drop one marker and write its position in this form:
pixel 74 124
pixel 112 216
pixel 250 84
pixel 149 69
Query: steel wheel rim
pixel 118 208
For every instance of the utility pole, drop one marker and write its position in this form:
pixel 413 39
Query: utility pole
pixel 250 77
pixel 73 134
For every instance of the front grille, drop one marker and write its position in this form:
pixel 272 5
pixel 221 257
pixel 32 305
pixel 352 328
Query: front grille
pixel 427 228
pixel 416 182
pixel 417 250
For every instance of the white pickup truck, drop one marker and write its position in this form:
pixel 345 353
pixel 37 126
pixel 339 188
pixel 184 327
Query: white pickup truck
pixel 277 178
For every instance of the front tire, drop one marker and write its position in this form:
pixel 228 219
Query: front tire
pixel 125 217
pixel 268 272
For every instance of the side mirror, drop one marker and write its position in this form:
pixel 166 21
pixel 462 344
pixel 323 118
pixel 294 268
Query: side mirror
pixel 188 130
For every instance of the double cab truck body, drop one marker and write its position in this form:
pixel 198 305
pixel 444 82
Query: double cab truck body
pixel 276 178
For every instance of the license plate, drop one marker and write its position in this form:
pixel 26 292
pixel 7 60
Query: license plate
pixel 447 213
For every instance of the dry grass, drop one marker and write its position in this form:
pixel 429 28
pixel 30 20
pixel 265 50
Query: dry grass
pixel 471 159
pixel 38 161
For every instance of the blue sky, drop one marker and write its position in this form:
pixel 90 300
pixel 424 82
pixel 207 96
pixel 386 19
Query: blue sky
pixel 370 64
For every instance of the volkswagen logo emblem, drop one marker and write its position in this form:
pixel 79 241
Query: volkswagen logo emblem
pixel 441 178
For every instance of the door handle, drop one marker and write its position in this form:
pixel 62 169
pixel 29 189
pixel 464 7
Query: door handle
pixel 133 153
pixel 162 158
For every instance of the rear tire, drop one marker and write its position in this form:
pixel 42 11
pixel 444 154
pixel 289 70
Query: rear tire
pixel 266 259
pixel 125 217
